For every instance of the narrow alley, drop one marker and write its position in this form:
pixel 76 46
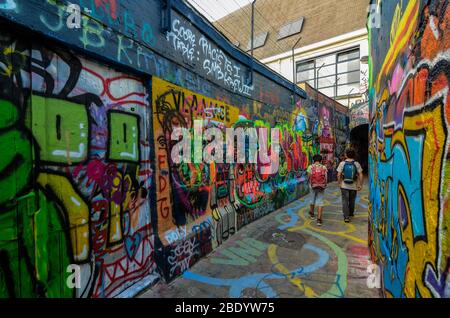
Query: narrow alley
pixel 285 254
pixel 166 148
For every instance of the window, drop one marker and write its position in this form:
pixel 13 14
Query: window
pixel 258 41
pixel 334 75
pixel 306 72
pixel 348 72
pixel 350 55
pixel 291 29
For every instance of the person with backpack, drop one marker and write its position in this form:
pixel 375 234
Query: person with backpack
pixel 350 178
pixel 317 174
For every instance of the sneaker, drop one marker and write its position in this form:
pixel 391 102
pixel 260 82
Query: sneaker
pixel 347 220
pixel 311 216
pixel 319 222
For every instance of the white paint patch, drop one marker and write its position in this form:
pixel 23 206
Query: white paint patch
pixel 72 154
pixel 434 28
pixel 75 201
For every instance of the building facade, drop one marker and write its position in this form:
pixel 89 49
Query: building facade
pixel 332 53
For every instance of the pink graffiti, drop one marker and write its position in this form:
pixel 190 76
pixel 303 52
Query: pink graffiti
pixel 95 171
pixel 108 5
pixel 397 77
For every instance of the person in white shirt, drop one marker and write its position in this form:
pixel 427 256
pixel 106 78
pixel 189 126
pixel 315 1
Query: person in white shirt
pixel 350 178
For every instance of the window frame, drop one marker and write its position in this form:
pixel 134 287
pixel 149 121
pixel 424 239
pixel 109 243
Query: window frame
pixel 336 74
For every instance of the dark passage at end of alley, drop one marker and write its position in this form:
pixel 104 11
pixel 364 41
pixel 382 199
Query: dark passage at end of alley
pixel 285 254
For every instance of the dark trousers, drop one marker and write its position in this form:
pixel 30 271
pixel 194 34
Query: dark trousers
pixel 348 202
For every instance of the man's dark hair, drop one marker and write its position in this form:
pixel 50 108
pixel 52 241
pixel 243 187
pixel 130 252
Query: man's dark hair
pixel 317 158
pixel 350 153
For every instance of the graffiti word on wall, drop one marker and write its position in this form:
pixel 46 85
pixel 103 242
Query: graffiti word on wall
pixel 213 60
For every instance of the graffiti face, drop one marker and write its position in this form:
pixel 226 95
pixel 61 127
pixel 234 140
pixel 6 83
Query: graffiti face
pixel 409 153
pixel 84 127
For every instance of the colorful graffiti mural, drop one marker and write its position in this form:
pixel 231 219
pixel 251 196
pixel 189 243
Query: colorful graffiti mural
pixel 87 179
pixel 330 125
pixel 408 155
pixel 217 197
pixel 76 174
pixel 78 136
pixel 359 114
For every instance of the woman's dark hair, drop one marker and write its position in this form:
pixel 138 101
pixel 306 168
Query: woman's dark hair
pixel 350 153
pixel 317 158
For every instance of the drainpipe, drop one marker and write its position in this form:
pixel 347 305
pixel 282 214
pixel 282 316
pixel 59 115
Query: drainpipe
pixel 317 88
pixel 348 114
pixel 166 20
pixel 294 73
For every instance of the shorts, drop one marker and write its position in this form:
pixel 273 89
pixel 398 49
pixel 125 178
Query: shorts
pixel 317 196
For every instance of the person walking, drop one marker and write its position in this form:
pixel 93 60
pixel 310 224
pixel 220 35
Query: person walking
pixel 317 174
pixel 350 178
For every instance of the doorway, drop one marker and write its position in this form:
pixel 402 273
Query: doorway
pixel 359 140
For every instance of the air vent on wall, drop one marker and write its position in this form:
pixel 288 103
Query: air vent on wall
pixel 259 41
pixel 291 29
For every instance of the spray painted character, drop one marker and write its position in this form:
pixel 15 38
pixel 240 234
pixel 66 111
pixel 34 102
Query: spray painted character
pixel 33 243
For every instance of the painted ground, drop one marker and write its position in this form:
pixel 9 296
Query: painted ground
pixel 285 254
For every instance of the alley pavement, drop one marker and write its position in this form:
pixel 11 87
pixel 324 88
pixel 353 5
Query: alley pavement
pixel 285 254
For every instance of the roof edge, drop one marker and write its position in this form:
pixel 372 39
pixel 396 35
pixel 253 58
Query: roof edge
pixel 199 21
pixel 313 46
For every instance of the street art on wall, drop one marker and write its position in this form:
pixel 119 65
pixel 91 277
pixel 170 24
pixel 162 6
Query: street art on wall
pixel 326 133
pixel 219 198
pixel 409 148
pixel 359 114
pixel 329 122
pixel 76 174
pixel 86 176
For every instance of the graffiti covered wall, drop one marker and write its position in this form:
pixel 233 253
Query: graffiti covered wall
pixel 205 204
pixel 76 139
pixel 331 124
pixel 409 147
pixel 87 181
pixel 359 114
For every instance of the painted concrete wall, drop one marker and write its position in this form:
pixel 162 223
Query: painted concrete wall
pixel 359 114
pixel 86 176
pixel 409 147
pixel 332 127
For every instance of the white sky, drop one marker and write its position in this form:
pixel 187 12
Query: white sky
pixel 216 9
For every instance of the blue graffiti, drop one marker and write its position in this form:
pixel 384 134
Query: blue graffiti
pixel 300 123
pixel 292 213
pixel 257 281
pixel 8 5
pixel 391 212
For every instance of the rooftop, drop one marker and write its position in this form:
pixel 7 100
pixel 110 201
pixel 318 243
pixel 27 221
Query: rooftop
pixel 283 19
